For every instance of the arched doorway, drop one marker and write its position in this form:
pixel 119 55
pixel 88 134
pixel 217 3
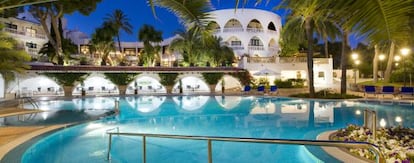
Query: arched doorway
pixel 38 86
pixel 96 85
pixel 231 84
pixel 146 85
pixel 191 84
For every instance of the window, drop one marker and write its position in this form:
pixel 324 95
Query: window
pixel 10 25
pixel 255 42
pixel 31 32
pixel 321 74
pixel 31 45
pixel 235 43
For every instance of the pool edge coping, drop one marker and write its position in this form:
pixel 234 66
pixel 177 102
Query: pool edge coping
pixel 6 148
pixel 336 152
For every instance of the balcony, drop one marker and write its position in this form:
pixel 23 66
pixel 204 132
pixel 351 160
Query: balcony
pixel 233 29
pixel 258 48
pixel 254 30
pixel 261 60
pixel 236 47
pixel 292 59
pixel 23 33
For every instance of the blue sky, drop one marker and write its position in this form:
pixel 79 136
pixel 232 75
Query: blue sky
pixel 140 13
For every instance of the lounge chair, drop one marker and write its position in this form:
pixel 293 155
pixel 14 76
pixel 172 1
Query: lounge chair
pixel 247 88
pixel 261 89
pixel 387 90
pixel 370 89
pixel 406 91
pixel 273 90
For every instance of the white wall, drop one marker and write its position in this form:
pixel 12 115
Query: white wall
pixel 2 86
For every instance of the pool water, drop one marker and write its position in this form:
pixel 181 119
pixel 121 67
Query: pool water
pixel 224 116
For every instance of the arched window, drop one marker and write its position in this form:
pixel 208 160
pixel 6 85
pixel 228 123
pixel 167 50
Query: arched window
pixel 233 25
pixel 254 26
pixel 234 43
pixel 214 26
pixel 271 27
pixel 255 44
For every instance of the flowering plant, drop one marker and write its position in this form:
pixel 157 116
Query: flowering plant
pixel 396 143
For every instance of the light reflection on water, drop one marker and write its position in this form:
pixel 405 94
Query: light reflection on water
pixel 228 116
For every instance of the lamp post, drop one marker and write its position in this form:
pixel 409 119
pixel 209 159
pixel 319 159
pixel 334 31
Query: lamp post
pixel 404 53
pixel 381 58
pixel 354 57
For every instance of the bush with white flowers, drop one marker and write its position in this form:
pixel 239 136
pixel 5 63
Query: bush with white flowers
pixel 396 143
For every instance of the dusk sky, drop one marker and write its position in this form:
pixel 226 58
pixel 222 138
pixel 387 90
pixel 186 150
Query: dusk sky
pixel 140 13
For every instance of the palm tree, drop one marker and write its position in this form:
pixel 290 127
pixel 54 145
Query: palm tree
pixel 119 21
pixel 102 42
pixel 189 44
pixel 12 59
pixel 219 53
pixel 148 35
pixel 305 19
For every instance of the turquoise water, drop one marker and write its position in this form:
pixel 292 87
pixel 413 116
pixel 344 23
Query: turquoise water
pixel 226 116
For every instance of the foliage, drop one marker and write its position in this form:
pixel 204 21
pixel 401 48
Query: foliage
pixel 218 52
pixel 119 21
pixel 212 78
pixel 121 78
pixel 67 46
pixel 102 42
pixel 290 83
pixel 67 79
pixel 262 81
pixel 168 79
pixel 149 35
pixel 244 77
pixel 11 59
pixel 53 11
pixel 395 142
pixel 326 94
pixel 189 44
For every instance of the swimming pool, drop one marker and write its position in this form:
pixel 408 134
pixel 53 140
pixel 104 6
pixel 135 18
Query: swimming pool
pixel 227 116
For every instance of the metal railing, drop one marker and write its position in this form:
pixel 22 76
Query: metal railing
pixel 373 115
pixel 30 100
pixel 379 156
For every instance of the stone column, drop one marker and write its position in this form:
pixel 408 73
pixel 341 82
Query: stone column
pixel 122 89
pixel 68 91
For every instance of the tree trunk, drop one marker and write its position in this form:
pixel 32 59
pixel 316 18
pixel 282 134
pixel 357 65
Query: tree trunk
pixel 326 48
pixel 58 41
pixel 309 35
pixel 375 64
pixel 122 89
pixel 344 61
pixel 119 44
pixel 68 91
pixel 387 74
pixel 169 89
pixel 212 88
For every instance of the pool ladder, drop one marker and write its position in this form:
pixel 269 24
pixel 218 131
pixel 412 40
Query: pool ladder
pixel 30 100
pixel 373 148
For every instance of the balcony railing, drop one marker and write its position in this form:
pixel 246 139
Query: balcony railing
pixel 256 47
pixel 292 59
pixel 255 30
pixel 23 33
pixel 233 30
pixel 237 47
pixel 261 60
pixel 271 31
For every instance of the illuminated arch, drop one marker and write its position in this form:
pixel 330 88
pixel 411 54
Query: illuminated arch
pixel 38 86
pixel 231 84
pixel 254 26
pixel 96 85
pixel 146 85
pixel 191 84
pixel 233 25
pixel 214 26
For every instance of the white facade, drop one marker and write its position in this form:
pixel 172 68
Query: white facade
pixel 29 34
pixel 2 87
pixel 250 32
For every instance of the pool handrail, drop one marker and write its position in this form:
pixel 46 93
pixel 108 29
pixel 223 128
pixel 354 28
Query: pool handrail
pixel 373 148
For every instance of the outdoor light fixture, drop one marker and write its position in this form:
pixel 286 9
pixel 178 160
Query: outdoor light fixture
pixel 354 57
pixel 382 122
pixel 404 53
pixel 381 57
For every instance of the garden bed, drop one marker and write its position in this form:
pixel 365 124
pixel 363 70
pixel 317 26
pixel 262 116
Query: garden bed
pixel 396 143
